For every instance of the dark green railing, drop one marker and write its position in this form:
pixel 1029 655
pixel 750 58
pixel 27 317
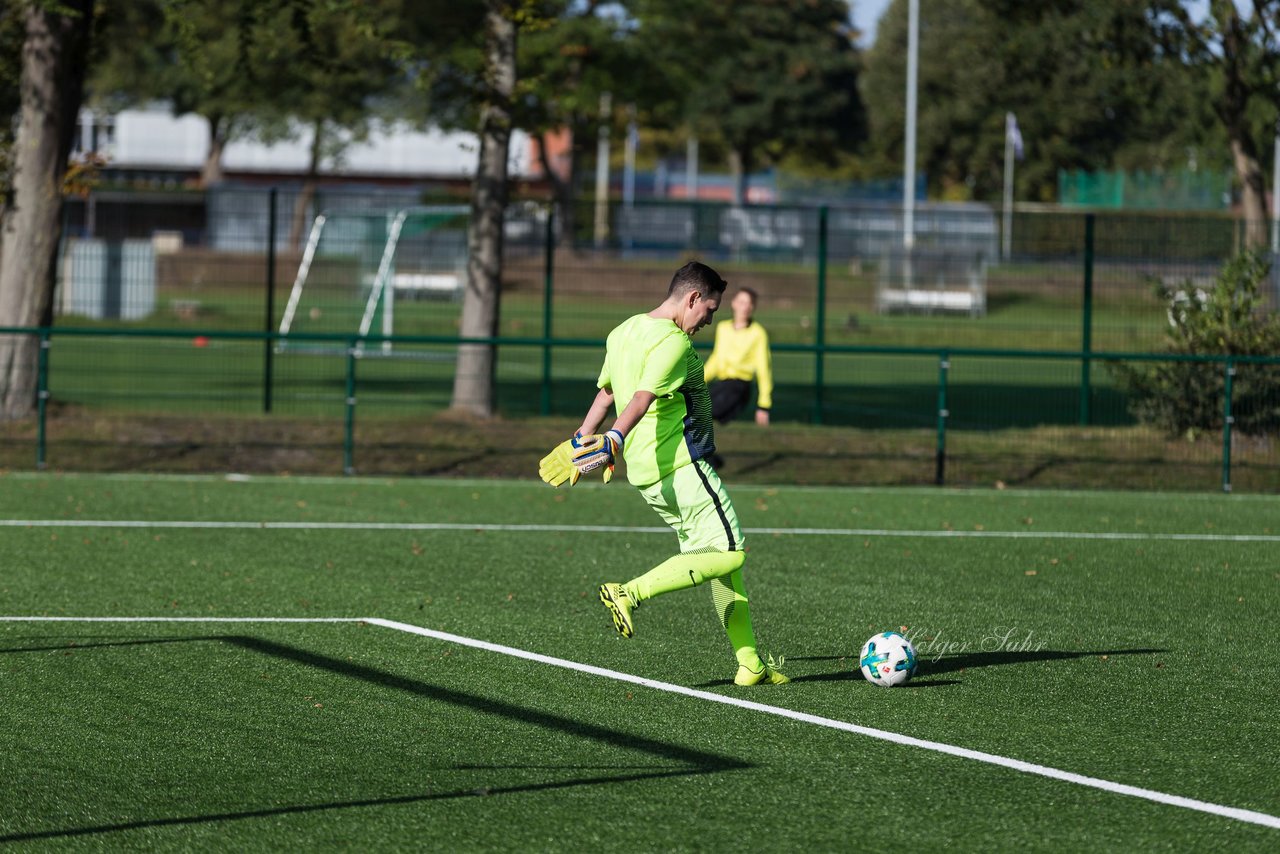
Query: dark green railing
pixel 353 346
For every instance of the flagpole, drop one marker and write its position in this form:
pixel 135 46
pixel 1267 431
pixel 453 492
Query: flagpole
pixel 1007 241
pixel 909 178
pixel 602 172
pixel 629 161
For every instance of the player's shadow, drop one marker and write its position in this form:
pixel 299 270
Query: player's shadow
pixel 687 761
pixel 74 645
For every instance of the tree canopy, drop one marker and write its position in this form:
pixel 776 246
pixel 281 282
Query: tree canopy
pixel 766 77
pixel 1087 79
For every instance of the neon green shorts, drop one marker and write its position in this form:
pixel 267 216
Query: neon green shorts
pixel 692 500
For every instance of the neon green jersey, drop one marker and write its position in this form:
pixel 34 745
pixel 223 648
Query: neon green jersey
pixel 648 354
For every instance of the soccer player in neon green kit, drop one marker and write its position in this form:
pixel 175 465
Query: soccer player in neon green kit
pixel 653 380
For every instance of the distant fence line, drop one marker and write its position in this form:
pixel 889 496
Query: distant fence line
pixel 354 349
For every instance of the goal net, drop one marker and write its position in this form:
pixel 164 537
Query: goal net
pixel 355 267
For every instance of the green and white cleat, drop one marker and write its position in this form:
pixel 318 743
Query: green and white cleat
pixel 766 675
pixel 615 598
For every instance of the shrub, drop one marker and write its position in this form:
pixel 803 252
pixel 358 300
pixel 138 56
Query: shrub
pixel 1229 319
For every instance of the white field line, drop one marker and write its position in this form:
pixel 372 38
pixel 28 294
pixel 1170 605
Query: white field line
pixel 1235 813
pixel 625 529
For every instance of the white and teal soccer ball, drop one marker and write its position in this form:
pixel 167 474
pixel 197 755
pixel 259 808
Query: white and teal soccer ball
pixel 887 659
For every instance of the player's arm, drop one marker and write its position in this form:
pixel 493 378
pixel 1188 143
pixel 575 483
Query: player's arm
pixel 634 411
pixel 560 466
pixel 593 450
pixel 595 415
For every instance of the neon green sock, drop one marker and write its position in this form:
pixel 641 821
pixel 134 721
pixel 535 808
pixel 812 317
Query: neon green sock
pixel 730 597
pixel 683 571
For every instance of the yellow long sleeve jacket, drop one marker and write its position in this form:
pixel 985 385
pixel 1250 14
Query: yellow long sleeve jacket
pixel 742 354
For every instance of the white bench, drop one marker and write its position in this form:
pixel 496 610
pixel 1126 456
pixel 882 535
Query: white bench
pixel 427 284
pixel 910 299
pixel 932 280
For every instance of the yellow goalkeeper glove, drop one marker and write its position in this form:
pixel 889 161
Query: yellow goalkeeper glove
pixel 597 450
pixel 557 467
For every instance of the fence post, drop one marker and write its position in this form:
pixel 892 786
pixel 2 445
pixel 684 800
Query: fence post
pixel 940 456
pixel 820 339
pixel 1086 332
pixel 42 398
pixel 548 274
pixel 1227 421
pixel 268 346
pixel 348 433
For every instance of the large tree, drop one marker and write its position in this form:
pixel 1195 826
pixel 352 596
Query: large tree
pixel 12 34
pixel 193 55
pixel 582 51
pixel 330 66
pixel 209 58
pixel 768 77
pixel 463 60
pixel 1087 80
pixel 54 54
pixel 1239 52
pixel 473 379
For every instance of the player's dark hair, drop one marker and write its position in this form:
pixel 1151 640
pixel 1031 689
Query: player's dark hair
pixel 751 292
pixel 696 276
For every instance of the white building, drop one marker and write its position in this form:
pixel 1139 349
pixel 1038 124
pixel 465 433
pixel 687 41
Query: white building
pixel 153 139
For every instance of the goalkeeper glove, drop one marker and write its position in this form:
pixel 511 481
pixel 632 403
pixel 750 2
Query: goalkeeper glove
pixel 596 450
pixel 557 467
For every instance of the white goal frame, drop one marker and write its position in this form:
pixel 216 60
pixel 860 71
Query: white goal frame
pixel 385 276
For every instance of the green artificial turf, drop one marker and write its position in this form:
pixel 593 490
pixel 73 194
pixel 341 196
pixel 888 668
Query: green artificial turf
pixel 1145 661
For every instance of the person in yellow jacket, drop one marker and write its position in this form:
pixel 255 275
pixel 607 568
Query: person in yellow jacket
pixel 740 355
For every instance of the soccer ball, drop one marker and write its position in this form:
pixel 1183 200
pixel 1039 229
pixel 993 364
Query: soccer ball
pixel 887 659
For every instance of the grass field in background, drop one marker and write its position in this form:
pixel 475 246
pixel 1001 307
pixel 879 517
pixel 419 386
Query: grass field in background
pixel 1124 637
pixel 210 374
pixel 1027 320
pixel 1030 307
pixel 1031 311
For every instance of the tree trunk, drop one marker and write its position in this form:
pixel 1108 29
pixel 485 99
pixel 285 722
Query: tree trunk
pixel 1253 192
pixel 561 188
pixel 1232 108
pixel 300 205
pixel 473 382
pixel 53 68
pixel 211 170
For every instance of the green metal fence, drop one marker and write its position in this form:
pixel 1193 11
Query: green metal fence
pixel 969 333
pixel 352 356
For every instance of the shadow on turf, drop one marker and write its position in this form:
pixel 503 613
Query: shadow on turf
pixel 965 661
pixel 694 762
pixel 73 645
pixel 836 676
pixel 969 660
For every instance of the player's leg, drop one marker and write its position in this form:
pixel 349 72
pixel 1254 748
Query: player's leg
pixel 729 594
pixel 675 573
pixel 728 398
pixel 714 524
pixel 691 567
pixel 692 500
